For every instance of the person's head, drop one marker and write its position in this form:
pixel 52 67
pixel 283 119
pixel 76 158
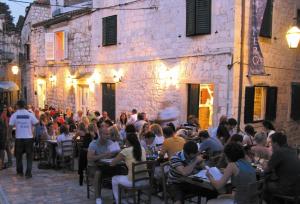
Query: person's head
pixel 104 114
pixel 278 140
pixel 134 111
pixel 68 112
pixel 168 132
pixel 191 119
pixel 82 127
pixel 249 129
pixel 92 128
pixel 260 139
pixel 97 113
pixel 140 116
pixel 234 152
pixel 64 129
pixel 190 149
pixel 223 134
pixel 43 119
pixel 114 133
pixel 123 118
pixel 156 129
pixel 130 128
pixel 50 127
pixel 149 137
pixel 132 140
pixel 232 123
pixel 203 135
pixel 236 138
pixel 85 121
pixel 80 113
pixel 222 119
pixel 171 125
pixel 268 125
pixel 21 104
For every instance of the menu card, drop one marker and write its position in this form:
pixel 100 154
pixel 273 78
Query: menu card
pixel 214 171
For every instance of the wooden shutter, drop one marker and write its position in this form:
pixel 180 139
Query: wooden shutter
pixel 49 46
pixel 190 17
pixel 109 34
pixel 203 17
pixel 271 103
pixel 295 106
pixel 266 26
pixel 109 99
pixel 66 47
pixel 249 105
pixel 193 99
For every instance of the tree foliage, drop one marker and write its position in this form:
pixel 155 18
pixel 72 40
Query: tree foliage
pixel 8 24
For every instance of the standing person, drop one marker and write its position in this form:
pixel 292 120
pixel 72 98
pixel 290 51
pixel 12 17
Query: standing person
pixel 23 120
pixel 78 117
pixel 248 137
pixel 133 117
pixel 3 136
pixel 269 129
pixel 121 124
pixel 140 121
pixel 104 117
pixel 232 129
pixel 8 139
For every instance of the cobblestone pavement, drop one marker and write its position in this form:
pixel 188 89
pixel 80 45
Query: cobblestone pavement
pixel 45 187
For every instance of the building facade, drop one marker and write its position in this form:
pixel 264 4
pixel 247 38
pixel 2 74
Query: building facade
pixel 119 55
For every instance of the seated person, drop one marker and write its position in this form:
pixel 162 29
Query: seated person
pixel 149 141
pixel 64 136
pixel 185 163
pixel 132 154
pixel 115 138
pixel 249 135
pixel 286 166
pixel 260 151
pixel 159 136
pixel 241 174
pixel 209 144
pixel 172 143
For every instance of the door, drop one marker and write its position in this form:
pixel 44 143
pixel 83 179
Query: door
pixel 83 92
pixel 41 93
pixel 109 99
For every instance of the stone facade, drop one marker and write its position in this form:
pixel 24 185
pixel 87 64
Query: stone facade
pixel 153 41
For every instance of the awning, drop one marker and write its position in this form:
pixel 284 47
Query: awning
pixel 8 86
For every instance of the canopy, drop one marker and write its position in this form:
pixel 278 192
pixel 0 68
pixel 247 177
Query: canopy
pixel 8 86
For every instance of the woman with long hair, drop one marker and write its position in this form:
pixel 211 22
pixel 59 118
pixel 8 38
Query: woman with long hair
pixel 159 135
pixel 132 154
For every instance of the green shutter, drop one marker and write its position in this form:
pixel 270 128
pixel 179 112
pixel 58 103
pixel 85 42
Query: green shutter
pixel 203 17
pixel 193 99
pixel 190 17
pixel 271 103
pixel 249 105
pixel 109 34
pixel 266 26
pixel 295 106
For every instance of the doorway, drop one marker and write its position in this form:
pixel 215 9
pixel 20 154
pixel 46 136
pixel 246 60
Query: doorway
pixel 109 99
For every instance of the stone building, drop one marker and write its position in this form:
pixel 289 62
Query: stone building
pixel 119 55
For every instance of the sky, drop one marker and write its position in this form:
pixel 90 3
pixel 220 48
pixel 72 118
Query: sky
pixel 16 8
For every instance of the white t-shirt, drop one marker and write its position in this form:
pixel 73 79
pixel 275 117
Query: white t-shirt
pixel 159 140
pixel 23 120
pixel 132 119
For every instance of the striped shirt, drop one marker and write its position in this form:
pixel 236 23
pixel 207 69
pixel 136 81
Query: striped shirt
pixel 177 160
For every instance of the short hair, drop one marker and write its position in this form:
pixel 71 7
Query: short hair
pixel 21 104
pixel 249 129
pixel 97 113
pixel 268 125
pixel 134 111
pixel 232 122
pixel 260 138
pixel 108 122
pixel 279 138
pixel 149 135
pixel 130 128
pixel 203 134
pixel 171 125
pixel 168 132
pixel 190 148
pixel 236 138
pixel 63 129
pixel 140 116
pixel 234 152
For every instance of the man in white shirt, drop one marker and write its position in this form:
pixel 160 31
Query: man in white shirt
pixel 23 120
pixel 133 118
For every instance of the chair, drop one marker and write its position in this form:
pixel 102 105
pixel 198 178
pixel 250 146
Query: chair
pixel 89 184
pixel 256 190
pixel 67 154
pixel 145 175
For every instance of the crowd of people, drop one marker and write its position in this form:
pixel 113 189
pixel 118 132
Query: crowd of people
pixel 133 138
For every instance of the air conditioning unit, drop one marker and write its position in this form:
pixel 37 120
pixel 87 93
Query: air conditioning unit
pixel 56 12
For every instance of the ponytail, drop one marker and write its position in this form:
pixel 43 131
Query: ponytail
pixel 135 143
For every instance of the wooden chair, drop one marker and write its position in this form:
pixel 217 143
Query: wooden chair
pixel 142 172
pixel 67 154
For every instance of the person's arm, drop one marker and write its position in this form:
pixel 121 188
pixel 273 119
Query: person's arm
pixel 187 170
pixel 163 150
pixel 120 157
pixel 226 176
pixel 91 156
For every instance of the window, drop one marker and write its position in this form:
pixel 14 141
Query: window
pixel 260 103
pixel 56 46
pixel 198 17
pixel 266 26
pixel 109 30
pixel 295 106
pixel 27 52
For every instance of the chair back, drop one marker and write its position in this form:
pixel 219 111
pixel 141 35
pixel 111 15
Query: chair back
pixel 142 173
pixel 164 174
pixel 67 148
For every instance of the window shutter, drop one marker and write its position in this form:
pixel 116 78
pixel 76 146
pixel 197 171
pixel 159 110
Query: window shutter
pixel 249 105
pixel 266 26
pixel 295 106
pixel 190 17
pixel 271 103
pixel 193 99
pixel 49 46
pixel 66 45
pixel 109 34
pixel 298 17
pixel 203 16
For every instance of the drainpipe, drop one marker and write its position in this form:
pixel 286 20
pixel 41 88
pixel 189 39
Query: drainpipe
pixel 229 67
pixel 241 65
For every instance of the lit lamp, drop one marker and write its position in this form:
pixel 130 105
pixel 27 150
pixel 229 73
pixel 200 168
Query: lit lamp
pixel 293 37
pixel 15 69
